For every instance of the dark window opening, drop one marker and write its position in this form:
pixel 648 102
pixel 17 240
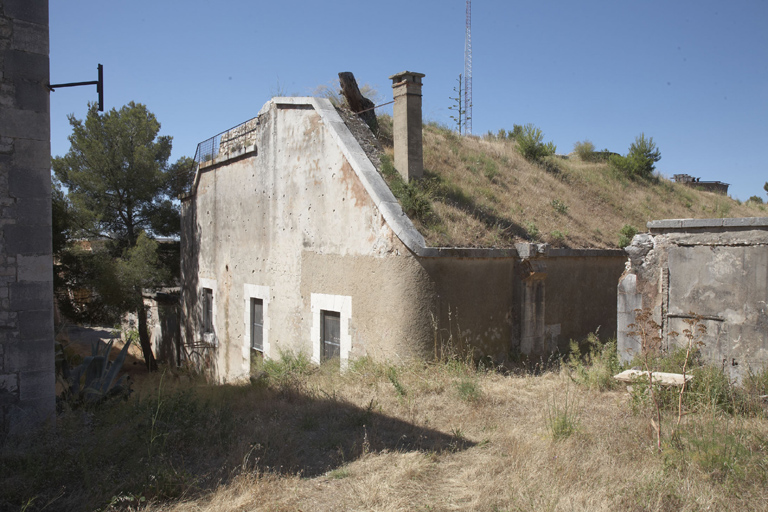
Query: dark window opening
pixel 207 310
pixel 331 334
pixel 257 324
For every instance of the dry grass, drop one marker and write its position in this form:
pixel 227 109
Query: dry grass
pixel 508 460
pixel 445 437
pixel 484 194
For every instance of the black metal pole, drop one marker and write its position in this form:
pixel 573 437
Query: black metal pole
pixel 100 88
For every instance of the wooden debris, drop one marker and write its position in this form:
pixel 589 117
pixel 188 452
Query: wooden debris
pixel 665 379
pixel 358 103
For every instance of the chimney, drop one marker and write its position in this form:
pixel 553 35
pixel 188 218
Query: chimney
pixel 409 160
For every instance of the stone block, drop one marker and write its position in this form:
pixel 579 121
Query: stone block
pixel 29 182
pixel 21 239
pixel 30 212
pixel 34 156
pixel 25 124
pixel 35 269
pixel 746 222
pixel 665 224
pixel 6 145
pixel 30 355
pixel 29 296
pixel 9 389
pixel 34 11
pixel 28 66
pixel 37 325
pixel 37 384
pixel 32 96
pixel 30 37
pixel 702 223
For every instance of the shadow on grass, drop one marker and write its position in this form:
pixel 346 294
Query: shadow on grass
pixel 322 434
pixel 195 438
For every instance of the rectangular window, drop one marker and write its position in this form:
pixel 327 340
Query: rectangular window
pixel 331 334
pixel 257 324
pixel 207 310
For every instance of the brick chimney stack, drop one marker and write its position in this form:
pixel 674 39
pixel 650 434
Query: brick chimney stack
pixel 409 160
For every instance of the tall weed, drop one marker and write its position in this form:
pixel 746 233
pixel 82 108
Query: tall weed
pixel 595 367
pixel 563 418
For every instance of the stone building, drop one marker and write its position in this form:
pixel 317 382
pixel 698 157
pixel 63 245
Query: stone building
pixel 710 186
pixel 27 392
pixel 292 240
pixel 715 268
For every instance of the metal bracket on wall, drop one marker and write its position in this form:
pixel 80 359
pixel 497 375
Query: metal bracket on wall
pixel 98 83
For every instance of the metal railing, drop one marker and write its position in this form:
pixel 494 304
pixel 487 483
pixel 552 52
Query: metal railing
pixel 209 148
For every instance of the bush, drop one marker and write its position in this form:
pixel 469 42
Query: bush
pixel 641 159
pixel 530 145
pixel 584 150
pixel 559 206
pixel 595 367
pixel 756 199
pixel 414 197
pixel 626 235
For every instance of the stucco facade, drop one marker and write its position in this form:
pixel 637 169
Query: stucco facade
pixel 715 268
pixel 289 211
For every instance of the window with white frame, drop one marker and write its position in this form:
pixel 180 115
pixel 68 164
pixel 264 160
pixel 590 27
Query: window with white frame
pixel 330 328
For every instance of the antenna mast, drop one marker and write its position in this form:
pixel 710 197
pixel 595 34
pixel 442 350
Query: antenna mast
pixel 468 72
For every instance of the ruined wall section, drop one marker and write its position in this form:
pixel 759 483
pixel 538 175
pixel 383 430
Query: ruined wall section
pixel 715 268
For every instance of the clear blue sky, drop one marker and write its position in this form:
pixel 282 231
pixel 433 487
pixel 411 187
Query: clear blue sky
pixel 691 74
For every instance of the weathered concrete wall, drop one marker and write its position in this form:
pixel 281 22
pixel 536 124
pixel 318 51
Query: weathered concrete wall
pixel 716 268
pixel 472 304
pixel 26 269
pixel 581 294
pixel 292 219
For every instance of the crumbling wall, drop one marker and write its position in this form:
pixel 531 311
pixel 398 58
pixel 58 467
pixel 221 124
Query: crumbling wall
pixel 715 268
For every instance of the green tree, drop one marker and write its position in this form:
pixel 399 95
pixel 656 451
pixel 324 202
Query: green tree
pixel 641 159
pixel 530 143
pixel 117 175
pixel 120 187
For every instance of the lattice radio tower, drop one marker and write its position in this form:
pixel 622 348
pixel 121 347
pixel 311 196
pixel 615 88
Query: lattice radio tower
pixel 468 72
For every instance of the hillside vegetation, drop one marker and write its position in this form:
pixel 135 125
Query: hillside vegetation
pixel 480 192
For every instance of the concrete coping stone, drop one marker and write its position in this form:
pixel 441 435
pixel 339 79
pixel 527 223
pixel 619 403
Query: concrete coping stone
pixel 588 253
pixel 675 224
pixel 466 252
